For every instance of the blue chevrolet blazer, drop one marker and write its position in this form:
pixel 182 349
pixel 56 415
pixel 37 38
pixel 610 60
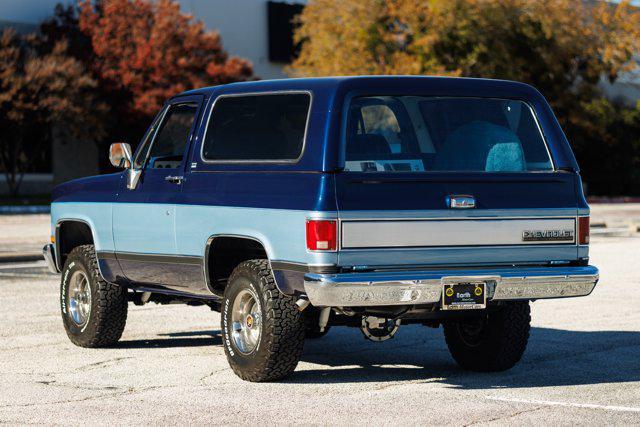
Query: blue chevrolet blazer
pixel 293 206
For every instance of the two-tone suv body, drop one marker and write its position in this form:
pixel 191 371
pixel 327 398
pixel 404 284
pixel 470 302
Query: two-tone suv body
pixel 295 205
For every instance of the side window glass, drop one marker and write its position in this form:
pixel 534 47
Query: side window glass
pixel 171 138
pixel 141 153
pixel 257 127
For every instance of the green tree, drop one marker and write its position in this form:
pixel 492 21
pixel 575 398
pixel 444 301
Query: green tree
pixel 36 91
pixel 562 47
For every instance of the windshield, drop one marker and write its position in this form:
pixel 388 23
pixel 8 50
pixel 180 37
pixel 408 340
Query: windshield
pixel 417 134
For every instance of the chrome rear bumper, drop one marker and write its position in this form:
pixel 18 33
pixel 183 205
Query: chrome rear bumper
pixel 49 253
pixel 425 287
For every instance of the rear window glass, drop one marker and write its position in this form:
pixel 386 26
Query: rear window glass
pixel 257 127
pixel 418 134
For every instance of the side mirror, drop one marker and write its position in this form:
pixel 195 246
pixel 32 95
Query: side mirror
pixel 120 155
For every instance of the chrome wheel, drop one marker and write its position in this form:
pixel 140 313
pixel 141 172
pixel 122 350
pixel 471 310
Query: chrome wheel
pixel 79 298
pixel 246 320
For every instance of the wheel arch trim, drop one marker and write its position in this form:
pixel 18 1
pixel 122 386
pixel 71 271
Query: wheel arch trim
pixel 58 252
pixel 207 252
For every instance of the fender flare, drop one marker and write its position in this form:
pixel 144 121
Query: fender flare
pixel 58 252
pixel 207 252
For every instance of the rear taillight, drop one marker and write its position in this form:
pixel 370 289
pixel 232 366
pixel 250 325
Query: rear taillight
pixel 322 235
pixel 583 230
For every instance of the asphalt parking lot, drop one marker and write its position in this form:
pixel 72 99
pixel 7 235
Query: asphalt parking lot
pixel 582 365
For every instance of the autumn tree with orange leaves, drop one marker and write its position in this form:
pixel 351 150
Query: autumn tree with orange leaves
pixel 565 48
pixel 100 70
pixel 151 50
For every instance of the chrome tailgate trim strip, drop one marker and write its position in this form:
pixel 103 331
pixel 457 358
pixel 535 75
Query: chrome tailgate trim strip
pixel 454 232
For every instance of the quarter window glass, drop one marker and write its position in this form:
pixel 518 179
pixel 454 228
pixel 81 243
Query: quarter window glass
pixel 416 134
pixel 168 147
pixel 257 127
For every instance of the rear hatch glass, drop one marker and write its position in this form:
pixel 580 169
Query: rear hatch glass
pixel 417 134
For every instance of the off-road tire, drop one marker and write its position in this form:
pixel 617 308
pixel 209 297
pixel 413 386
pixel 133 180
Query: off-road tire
pixel 108 314
pixel 282 326
pixel 499 345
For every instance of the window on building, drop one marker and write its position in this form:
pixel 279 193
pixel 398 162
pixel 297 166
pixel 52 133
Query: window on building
pixel 281 27
pixel 257 127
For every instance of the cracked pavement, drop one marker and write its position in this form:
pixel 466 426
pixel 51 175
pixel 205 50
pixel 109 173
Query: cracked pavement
pixel 582 366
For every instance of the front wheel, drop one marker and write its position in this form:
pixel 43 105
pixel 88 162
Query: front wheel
pixel 494 342
pixel 94 312
pixel 262 329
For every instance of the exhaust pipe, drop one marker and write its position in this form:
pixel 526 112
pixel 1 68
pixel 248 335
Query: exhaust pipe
pixel 324 318
pixel 302 304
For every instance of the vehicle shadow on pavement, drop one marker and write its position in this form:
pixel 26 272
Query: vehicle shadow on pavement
pixel 176 339
pixel 554 357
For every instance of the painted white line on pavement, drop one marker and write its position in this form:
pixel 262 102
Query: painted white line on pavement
pixel 573 405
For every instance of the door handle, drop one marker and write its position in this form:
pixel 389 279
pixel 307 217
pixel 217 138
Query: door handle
pixel 174 179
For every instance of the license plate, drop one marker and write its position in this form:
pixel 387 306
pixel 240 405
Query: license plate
pixel 464 296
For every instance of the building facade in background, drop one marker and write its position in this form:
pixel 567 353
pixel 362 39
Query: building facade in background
pixel 258 30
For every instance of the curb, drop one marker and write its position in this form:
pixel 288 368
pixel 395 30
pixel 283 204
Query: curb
pixel 9 257
pixel 16 209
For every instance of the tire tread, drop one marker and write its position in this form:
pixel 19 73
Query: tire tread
pixel 508 335
pixel 284 345
pixel 111 316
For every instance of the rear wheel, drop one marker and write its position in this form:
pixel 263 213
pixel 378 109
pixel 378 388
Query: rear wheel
pixel 492 343
pixel 94 312
pixel 262 330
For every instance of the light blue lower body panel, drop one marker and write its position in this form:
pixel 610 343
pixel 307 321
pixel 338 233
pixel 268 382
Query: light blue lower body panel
pixel 184 230
pixel 97 215
pixel 139 239
pixel 281 231
pixel 144 228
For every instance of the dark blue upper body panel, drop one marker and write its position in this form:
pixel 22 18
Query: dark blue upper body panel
pixel 309 185
pixel 101 188
pixel 322 152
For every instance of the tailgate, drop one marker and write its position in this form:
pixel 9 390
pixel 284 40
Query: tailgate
pixel 407 220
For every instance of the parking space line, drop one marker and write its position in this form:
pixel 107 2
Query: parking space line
pixel 566 404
